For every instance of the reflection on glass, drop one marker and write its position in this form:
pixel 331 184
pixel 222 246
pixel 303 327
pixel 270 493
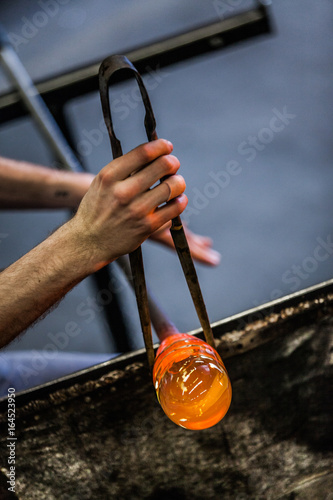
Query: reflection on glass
pixel 191 382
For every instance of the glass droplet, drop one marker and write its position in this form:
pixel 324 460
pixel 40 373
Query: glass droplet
pixel 191 382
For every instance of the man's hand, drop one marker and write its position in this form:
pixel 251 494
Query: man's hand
pixel 25 186
pixel 200 246
pixel 117 213
pixel 120 210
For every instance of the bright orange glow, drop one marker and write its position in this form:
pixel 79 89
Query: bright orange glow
pixel 191 382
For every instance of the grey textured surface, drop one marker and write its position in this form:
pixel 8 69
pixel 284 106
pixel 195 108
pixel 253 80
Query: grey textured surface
pixel 266 218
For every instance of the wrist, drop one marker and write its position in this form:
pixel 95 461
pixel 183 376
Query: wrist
pixel 83 246
pixel 72 248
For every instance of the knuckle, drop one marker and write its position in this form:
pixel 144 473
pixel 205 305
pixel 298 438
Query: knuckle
pixel 120 195
pixel 180 203
pixel 170 164
pixel 106 175
pixel 147 155
pixel 149 225
pixel 181 182
pixel 136 212
pixel 144 226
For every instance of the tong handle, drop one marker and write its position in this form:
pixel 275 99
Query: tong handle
pixel 108 68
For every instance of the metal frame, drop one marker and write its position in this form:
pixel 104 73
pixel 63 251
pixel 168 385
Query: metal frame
pixel 202 40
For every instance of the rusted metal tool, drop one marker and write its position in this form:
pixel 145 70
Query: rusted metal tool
pixel 108 68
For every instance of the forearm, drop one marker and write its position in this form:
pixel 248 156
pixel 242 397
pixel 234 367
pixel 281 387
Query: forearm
pixel 30 286
pixel 24 185
pixel 119 211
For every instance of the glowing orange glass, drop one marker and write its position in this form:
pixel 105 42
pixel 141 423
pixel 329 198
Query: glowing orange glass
pixel 191 382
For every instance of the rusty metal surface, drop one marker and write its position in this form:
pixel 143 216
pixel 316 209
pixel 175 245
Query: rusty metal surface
pixel 106 437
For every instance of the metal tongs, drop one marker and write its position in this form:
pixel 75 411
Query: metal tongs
pixel 108 68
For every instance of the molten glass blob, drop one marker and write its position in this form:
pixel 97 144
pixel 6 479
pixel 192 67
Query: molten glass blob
pixel 191 382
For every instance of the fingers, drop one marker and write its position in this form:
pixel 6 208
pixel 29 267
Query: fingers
pixel 205 254
pixel 200 246
pixel 131 175
pixel 169 211
pixel 162 230
pixel 163 166
pixel 142 155
pixel 200 241
pixel 169 189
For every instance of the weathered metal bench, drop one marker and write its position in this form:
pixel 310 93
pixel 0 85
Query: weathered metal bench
pixel 100 434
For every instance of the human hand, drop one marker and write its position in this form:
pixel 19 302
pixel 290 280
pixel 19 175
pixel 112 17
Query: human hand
pixel 119 211
pixel 78 184
pixel 200 246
